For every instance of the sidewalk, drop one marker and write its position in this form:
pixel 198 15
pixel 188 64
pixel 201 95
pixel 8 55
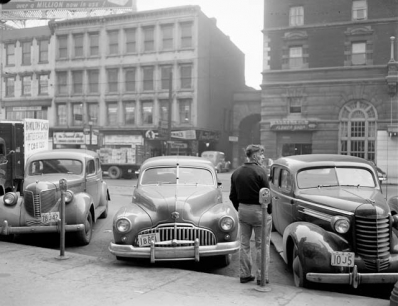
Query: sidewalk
pixel 34 276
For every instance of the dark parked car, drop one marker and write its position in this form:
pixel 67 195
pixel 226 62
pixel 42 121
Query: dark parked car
pixel 177 213
pixel 336 225
pixel 37 210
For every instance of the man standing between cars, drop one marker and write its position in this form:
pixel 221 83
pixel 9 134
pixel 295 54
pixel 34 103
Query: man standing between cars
pixel 246 183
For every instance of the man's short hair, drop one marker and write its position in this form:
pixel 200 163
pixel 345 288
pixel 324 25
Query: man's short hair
pixel 253 148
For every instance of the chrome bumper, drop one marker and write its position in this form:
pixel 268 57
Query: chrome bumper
pixel 355 278
pixel 7 230
pixel 166 251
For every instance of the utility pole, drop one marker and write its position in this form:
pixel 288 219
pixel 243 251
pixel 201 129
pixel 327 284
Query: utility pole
pixel 169 111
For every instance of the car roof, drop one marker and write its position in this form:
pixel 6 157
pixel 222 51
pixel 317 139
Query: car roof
pixel 64 153
pixel 297 162
pixel 173 160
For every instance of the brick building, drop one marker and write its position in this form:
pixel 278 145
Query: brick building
pixel 330 79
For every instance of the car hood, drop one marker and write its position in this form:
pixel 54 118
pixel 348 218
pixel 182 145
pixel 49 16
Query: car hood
pixel 171 203
pixel 346 198
pixel 73 181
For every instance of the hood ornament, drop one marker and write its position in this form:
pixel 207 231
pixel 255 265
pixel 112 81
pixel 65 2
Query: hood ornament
pixel 175 215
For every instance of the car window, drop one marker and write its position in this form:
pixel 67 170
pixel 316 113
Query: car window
pixel 168 175
pixel 90 167
pixel 50 166
pixel 285 182
pixel 275 176
pixel 355 177
pixel 98 164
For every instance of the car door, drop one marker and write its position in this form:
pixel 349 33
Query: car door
pixel 92 181
pixel 274 186
pixel 286 201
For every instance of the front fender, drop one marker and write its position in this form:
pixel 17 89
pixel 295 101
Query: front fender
pixel 314 245
pixel 76 211
pixel 10 213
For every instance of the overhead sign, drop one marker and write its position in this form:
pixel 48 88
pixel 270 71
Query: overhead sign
pixel 69 138
pixel 36 133
pixel 292 125
pixel 190 134
pixel 123 140
pixel 16 5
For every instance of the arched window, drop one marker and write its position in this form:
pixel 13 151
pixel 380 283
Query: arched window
pixel 358 130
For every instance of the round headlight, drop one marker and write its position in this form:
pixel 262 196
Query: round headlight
pixel 341 225
pixel 226 223
pixel 68 196
pixel 123 225
pixel 10 198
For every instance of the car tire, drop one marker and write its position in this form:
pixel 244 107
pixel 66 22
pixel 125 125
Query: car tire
pixel 298 271
pixel 223 260
pixel 84 237
pixel 114 172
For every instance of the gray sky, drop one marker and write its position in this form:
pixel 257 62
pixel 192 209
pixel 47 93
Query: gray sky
pixel 241 20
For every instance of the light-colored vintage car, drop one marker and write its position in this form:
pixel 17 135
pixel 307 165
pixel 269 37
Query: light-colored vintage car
pixel 37 210
pixel 177 213
pixel 336 224
pixel 218 160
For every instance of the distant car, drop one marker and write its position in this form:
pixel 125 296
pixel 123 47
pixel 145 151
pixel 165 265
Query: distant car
pixel 177 213
pixel 218 160
pixel 37 210
pixel 336 224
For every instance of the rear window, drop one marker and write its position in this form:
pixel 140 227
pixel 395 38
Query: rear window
pixel 168 175
pixel 50 166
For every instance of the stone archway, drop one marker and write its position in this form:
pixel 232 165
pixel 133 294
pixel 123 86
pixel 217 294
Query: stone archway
pixel 249 132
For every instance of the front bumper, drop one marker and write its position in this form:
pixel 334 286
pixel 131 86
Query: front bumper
pixel 8 230
pixel 166 252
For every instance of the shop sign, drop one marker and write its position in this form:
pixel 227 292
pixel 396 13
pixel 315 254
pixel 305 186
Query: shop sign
pixel 26 108
pixel 178 145
pixel 208 136
pixel 293 125
pixel 233 138
pixel 190 134
pixel 123 140
pixel 35 136
pixel 75 138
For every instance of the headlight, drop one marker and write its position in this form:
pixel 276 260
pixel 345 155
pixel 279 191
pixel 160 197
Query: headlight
pixel 340 224
pixel 68 196
pixel 123 225
pixel 227 224
pixel 10 198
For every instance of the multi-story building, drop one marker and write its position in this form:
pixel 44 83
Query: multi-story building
pixel 330 79
pixel 26 77
pixel 118 73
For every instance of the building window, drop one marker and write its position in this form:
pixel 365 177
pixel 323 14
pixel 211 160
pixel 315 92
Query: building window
pixel 62 47
pixel 129 112
pixel 93 39
pixel 358 53
pixel 77 82
pixel 167 37
pixel 36 112
pixel 164 110
pixel 165 77
pixel 26 53
pixel 92 112
pixel 43 84
pixel 296 57
pixel 10 49
pixel 294 105
pixel 61 114
pixel 26 85
pixel 113 76
pixel 359 10
pixel 43 51
pixel 149 40
pixel 112 113
pixel 130 40
pixel 186 76
pixel 77 114
pixel 78 45
pixel 130 79
pixel 10 87
pixel 93 77
pixel 296 16
pixel 62 82
pixel 148 78
pixel 147 112
pixel 186 35
pixel 185 110
pixel 113 39
pixel 358 130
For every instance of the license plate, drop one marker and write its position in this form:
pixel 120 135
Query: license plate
pixel 343 259
pixel 50 217
pixel 145 239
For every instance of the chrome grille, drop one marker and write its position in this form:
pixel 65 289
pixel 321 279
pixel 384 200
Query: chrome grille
pixel 373 242
pixel 168 232
pixel 38 203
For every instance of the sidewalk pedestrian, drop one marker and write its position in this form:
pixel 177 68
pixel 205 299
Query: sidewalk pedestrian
pixel 246 183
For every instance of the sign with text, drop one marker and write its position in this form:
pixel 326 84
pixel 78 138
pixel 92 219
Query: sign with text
pixel 190 134
pixel 292 125
pixel 208 136
pixel 16 5
pixel 123 140
pixel 36 133
pixel 69 138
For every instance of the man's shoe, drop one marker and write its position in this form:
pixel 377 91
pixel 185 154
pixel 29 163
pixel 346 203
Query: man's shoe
pixel 244 280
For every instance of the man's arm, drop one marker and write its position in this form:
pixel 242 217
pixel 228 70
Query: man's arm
pixel 233 195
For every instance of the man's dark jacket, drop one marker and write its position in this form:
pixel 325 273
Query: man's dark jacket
pixel 246 183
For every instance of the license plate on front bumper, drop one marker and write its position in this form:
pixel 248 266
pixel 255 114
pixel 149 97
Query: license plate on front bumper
pixel 343 259
pixel 50 217
pixel 145 239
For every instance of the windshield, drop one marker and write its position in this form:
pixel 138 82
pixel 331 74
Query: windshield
pixel 168 175
pixel 331 176
pixel 48 166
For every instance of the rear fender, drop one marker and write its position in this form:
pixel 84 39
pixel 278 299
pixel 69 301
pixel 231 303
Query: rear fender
pixel 314 245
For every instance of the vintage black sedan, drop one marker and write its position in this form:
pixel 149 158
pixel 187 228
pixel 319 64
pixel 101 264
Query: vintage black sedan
pixel 177 213
pixel 336 225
